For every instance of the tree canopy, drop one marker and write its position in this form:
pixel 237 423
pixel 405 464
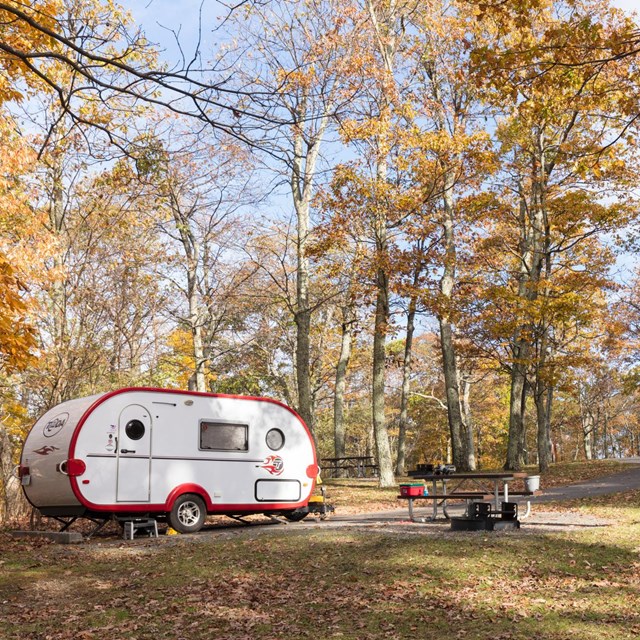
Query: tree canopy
pixel 415 222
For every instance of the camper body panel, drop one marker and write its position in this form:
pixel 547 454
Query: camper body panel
pixel 143 448
pixel 46 448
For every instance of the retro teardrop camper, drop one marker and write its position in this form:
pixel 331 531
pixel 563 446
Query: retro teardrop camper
pixel 174 454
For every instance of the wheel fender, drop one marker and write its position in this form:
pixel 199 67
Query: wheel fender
pixel 187 488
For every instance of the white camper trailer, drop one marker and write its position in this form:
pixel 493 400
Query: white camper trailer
pixel 137 452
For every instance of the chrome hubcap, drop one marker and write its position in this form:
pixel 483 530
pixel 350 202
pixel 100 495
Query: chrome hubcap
pixel 188 513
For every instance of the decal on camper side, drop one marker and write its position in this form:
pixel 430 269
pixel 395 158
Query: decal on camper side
pixel 274 465
pixel 46 450
pixel 110 444
pixel 54 425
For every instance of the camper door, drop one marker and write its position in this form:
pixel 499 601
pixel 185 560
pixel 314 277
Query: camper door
pixel 134 455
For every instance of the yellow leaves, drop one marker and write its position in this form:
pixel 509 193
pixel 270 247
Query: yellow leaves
pixel 19 35
pixel 295 80
pixel 15 417
pixel 379 128
pixel 16 335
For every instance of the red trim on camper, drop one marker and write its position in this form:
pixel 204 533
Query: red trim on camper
pixel 213 508
pixel 258 507
pixel 187 488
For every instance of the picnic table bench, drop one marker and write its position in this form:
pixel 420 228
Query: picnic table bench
pixel 482 490
pixel 350 466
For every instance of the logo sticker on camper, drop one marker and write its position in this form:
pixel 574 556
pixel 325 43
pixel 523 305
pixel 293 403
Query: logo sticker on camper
pixel 54 425
pixel 46 450
pixel 274 465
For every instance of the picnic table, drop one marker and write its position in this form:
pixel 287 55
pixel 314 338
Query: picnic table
pixel 350 466
pixel 469 487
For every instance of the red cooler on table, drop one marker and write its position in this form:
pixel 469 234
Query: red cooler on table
pixel 412 489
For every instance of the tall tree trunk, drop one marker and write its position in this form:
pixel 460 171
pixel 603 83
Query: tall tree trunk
pixel 197 381
pixel 12 502
pixel 452 392
pixel 340 435
pixel 531 260
pixel 406 384
pixel 523 447
pixel 607 438
pixel 303 312
pixel 543 392
pixel 305 157
pixel 544 401
pixel 517 406
pixel 195 321
pixel 58 287
pixel 586 418
pixel 469 436
pixel 380 433
pixel 303 360
pixel 449 361
pixel 587 435
pixel 543 396
pixel 385 18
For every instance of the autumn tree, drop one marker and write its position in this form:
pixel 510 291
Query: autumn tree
pixel 96 43
pixel 299 71
pixel 376 128
pixel 560 133
pixel 17 337
pixel 452 154
pixel 198 188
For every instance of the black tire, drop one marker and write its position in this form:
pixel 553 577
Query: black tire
pixel 295 516
pixel 188 513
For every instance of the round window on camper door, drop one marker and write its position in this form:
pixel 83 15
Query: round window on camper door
pixel 134 429
pixel 275 439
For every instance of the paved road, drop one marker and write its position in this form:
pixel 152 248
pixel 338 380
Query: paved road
pixel 617 483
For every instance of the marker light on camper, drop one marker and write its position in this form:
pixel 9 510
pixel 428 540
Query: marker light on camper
pixel 72 467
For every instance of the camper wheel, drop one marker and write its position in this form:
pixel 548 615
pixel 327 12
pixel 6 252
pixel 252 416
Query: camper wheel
pixel 188 513
pixel 297 515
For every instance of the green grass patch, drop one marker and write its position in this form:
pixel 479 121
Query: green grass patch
pixel 406 582
pixel 304 583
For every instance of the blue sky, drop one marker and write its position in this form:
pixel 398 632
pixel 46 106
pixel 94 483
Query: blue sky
pixel 158 17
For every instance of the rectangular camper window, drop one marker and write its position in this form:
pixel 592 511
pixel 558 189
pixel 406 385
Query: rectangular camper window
pixel 219 436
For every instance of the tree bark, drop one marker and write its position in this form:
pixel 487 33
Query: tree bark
pixel 380 432
pixel 531 261
pixel 449 360
pixel 586 418
pixel 384 18
pixel 607 438
pixel 58 287
pixel 587 435
pixel 305 157
pixel 544 402
pixel 12 502
pixel 339 431
pixel 543 395
pixel 195 321
pixel 469 436
pixel 406 384
pixel 303 312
